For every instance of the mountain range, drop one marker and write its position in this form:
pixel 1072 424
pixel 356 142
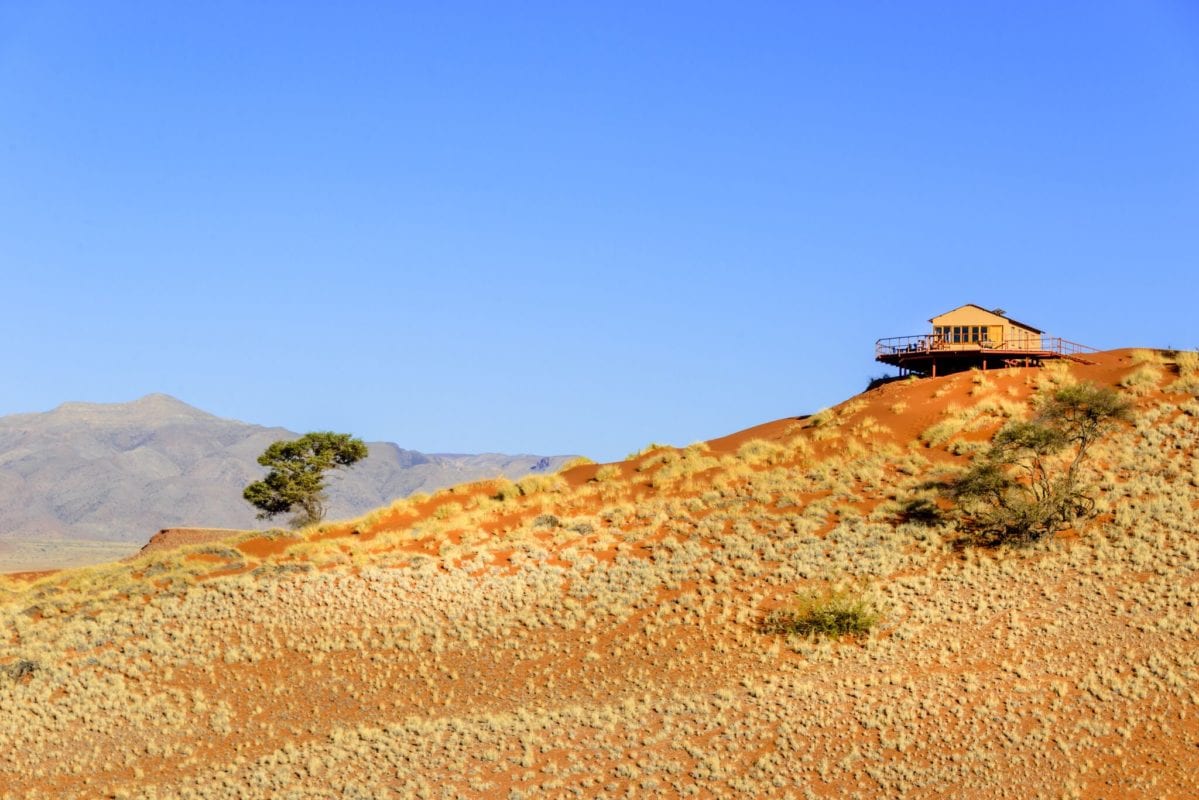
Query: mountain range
pixel 118 472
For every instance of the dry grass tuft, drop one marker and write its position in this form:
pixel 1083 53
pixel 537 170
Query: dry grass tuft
pixel 1143 356
pixel 607 472
pixel 1186 362
pixel 578 461
pixel 1144 379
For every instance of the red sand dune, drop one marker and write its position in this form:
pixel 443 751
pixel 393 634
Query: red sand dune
pixel 596 634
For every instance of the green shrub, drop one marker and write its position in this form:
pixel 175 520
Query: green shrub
pixel 829 612
pixel 1026 485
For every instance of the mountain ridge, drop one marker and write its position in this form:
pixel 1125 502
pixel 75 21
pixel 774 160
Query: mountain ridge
pixel 119 472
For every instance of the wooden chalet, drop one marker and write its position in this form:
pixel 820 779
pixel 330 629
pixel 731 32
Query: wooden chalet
pixel 970 336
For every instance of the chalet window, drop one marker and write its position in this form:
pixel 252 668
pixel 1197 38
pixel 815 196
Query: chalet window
pixel 962 334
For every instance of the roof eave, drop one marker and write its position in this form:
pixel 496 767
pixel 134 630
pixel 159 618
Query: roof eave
pixel 989 311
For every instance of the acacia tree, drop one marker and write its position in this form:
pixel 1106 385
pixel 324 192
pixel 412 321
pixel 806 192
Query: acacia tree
pixel 297 474
pixel 1027 483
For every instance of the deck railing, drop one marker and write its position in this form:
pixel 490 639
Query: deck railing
pixel 929 342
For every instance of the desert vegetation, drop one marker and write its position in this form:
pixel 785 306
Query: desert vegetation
pixel 1026 485
pixel 605 632
pixel 833 611
pixel 296 479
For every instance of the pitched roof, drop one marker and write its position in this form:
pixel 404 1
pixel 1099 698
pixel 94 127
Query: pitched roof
pixel 992 311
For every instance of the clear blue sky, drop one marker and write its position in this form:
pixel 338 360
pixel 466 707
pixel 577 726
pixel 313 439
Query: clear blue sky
pixel 574 227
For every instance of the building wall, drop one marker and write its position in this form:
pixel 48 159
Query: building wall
pixel 969 327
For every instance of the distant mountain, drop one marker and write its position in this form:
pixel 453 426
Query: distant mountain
pixel 121 471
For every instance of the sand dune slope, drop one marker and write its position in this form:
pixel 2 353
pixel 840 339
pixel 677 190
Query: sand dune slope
pixel 595 633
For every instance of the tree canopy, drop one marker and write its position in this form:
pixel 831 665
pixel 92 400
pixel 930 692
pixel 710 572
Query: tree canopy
pixel 297 474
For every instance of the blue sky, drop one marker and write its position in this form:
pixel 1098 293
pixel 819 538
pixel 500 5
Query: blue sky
pixel 568 227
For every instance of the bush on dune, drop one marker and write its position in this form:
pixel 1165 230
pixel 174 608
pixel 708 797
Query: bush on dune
pixel 831 612
pixel 1027 484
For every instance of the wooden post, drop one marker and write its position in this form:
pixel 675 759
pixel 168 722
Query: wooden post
pixel 934 367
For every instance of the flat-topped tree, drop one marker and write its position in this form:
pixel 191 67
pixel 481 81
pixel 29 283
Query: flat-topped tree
pixel 297 476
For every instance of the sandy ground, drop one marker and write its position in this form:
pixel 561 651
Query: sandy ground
pixel 597 633
pixel 22 555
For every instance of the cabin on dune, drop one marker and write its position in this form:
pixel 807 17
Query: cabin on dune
pixel 970 337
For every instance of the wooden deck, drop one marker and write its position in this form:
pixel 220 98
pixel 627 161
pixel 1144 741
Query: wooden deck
pixel 930 354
